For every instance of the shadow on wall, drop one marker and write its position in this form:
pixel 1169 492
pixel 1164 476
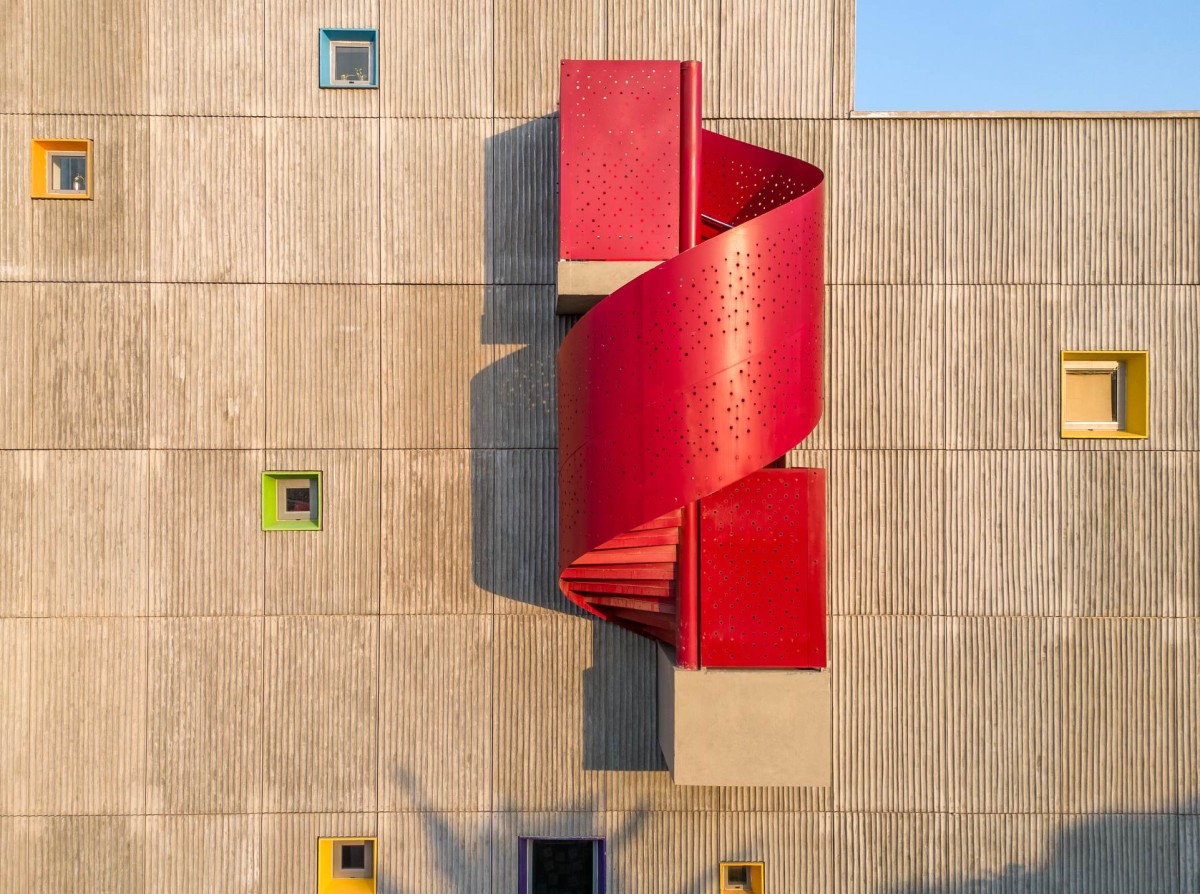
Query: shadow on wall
pixel 1099 854
pixel 514 456
pixel 455 858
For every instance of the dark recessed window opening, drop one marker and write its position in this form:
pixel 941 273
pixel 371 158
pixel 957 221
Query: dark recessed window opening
pixel 353 859
pixel 737 877
pixel 563 866
pixel 298 499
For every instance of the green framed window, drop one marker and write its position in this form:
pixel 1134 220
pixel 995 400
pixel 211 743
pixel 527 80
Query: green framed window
pixel 291 501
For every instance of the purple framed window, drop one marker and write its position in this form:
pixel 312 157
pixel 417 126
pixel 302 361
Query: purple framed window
pixel 560 866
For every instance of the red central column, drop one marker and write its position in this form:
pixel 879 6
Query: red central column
pixel 687 619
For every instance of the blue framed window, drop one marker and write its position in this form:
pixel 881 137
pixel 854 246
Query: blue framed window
pixel 561 866
pixel 349 57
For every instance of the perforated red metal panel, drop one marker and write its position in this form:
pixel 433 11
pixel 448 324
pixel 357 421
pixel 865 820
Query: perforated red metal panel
pixel 762 571
pixel 619 162
pixel 693 376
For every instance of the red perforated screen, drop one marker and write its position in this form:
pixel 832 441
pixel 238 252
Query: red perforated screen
pixel 619 163
pixel 762 571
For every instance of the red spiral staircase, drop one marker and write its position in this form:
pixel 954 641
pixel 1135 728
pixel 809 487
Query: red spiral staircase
pixel 679 390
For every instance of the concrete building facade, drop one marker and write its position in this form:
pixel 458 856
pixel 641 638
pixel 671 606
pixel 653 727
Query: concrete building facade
pixel 271 275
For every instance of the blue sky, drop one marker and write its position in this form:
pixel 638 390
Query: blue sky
pixel 1060 55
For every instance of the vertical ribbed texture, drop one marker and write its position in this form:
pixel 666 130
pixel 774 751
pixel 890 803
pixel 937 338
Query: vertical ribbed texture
pixel 16 496
pixel 1158 319
pixel 198 568
pixel 435 366
pixel 336 570
pixel 320 714
pixel 1117 749
pixel 90 532
pixel 206 58
pixel 85 853
pixel 16 208
pixel 843 59
pixel 1000 204
pixel 322 366
pixel 669 29
pixel 289 847
pixel 437 59
pixel 14 76
pixel 323 195
pixel 292 63
pixel 523 408
pixel 507 827
pixel 431 669
pixel 89 365
pixel 776 59
pixel 889 729
pixel 640 861
pixel 886 531
pixel 437 852
pixel 1002 366
pixel 205 715
pixel 434 506
pixel 887 361
pixel 884 195
pixel 193 238
pixel 1185 638
pixel 14 707
pixel 989 520
pixel 15 363
pixel 519 540
pixel 877 852
pixel 1189 857
pixel 206 366
pixel 522 220
pixel 796 848
pixel 90 57
pixel 531 39
pixel 998 700
pixel 1150 501
pixel 540 691
pixel 1131 211
pixel 434 207
pixel 620 684
pixel 87 717
pixel 203 854
pixel 105 238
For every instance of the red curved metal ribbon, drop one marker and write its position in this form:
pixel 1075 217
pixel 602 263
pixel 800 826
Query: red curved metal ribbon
pixel 693 376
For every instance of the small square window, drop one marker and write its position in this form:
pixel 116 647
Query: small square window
pixel 346 865
pixel 60 169
pixel 561 866
pixel 353 859
pixel 291 501
pixel 348 57
pixel 1105 394
pixel 743 878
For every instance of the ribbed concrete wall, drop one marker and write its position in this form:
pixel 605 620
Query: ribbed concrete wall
pixel 272 276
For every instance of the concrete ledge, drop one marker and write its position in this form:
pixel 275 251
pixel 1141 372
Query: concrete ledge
pixel 745 727
pixel 581 284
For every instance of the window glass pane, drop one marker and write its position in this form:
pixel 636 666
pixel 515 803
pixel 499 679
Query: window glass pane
pixel 562 867
pixel 68 173
pixel 298 499
pixel 352 63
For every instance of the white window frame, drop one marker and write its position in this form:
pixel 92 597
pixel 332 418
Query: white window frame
pixel 334 45
pixel 1113 368
pixel 281 511
pixel 53 154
